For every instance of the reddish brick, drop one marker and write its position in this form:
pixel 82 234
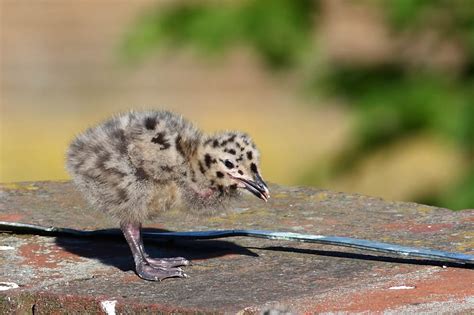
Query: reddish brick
pixel 446 285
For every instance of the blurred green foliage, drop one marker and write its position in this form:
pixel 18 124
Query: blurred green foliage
pixel 391 100
pixel 456 18
pixel 214 28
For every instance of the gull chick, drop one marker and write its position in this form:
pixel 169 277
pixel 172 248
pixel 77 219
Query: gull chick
pixel 139 164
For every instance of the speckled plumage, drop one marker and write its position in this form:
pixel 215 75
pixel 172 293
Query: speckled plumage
pixel 138 164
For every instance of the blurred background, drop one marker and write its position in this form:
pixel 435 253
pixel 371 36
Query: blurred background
pixel 374 97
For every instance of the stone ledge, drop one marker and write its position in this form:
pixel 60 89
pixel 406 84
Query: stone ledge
pixel 68 275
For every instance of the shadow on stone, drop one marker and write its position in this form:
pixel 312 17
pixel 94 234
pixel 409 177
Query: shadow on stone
pixel 368 257
pixel 114 251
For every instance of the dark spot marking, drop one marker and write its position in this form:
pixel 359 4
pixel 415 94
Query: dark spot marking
pixel 166 168
pixel 113 172
pixel 91 176
pixel 122 195
pixel 110 124
pixel 223 143
pixel 240 172
pixel 179 147
pixel 233 187
pixel 215 143
pixel 78 145
pixel 193 175
pixel 103 158
pixel 240 158
pixel 228 164
pixel 231 139
pixel 120 141
pixel 219 174
pixel 140 174
pixel 221 189
pixel 249 155
pixel 161 140
pixel 150 123
pixel 201 168
pixel 208 160
pixel 253 167
pixel 232 151
pixel 97 149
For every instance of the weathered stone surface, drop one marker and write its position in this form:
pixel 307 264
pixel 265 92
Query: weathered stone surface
pixel 67 275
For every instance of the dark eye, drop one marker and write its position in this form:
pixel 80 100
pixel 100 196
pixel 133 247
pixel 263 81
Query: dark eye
pixel 228 164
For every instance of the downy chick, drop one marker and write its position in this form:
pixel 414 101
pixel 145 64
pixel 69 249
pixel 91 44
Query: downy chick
pixel 139 164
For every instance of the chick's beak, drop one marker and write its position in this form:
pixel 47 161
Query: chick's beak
pixel 261 183
pixel 256 187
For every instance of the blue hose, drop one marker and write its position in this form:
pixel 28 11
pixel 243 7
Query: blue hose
pixel 23 228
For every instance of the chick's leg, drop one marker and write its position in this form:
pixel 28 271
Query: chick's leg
pixel 162 262
pixel 144 269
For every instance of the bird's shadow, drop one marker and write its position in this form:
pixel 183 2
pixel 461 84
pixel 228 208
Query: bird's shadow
pixel 114 250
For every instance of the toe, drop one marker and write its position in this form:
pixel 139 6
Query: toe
pixel 148 272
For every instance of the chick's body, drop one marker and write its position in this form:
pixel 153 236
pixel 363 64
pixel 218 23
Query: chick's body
pixel 139 164
pixel 136 164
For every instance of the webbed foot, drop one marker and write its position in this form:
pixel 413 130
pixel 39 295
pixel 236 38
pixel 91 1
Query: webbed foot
pixel 148 272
